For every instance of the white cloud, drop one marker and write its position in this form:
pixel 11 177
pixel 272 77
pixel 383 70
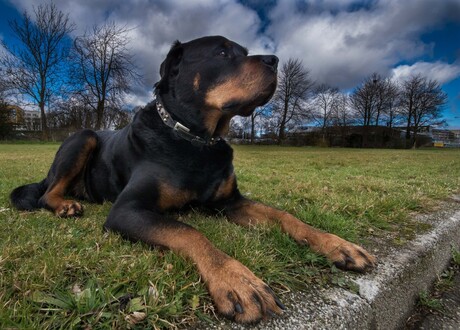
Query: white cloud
pixel 137 100
pixel 341 47
pixel 340 43
pixel 440 71
pixel 157 24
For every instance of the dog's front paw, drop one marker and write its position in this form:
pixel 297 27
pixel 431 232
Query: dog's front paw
pixel 345 255
pixel 69 208
pixel 240 295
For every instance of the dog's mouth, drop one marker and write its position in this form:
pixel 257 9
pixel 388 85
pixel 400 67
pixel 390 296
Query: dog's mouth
pixel 247 88
pixel 246 107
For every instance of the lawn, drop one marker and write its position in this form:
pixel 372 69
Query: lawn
pixel 68 273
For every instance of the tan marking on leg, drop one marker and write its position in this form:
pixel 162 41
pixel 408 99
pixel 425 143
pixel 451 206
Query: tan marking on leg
pixel 173 198
pixel 344 254
pixel 54 196
pixel 236 291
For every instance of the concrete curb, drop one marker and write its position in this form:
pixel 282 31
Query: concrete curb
pixel 392 291
pixel 386 296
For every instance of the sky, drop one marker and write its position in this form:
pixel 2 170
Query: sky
pixel 341 42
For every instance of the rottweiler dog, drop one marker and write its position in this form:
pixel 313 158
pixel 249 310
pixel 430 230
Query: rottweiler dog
pixel 173 155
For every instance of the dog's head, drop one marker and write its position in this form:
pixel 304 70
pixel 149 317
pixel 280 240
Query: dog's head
pixel 207 81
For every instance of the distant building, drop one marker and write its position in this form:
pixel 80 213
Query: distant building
pixel 303 129
pixel 32 120
pixel 16 114
pixel 456 133
pixel 440 137
pixel 25 120
pixel 443 137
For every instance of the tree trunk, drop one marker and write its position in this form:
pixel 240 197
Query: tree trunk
pixel 365 116
pixel 99 115
pixel 252 128
pixel 409 119
pixel 45 131
pixel 377 118
pixel 408 128
pixel 414 144
pixel 415 132
pixel 281 134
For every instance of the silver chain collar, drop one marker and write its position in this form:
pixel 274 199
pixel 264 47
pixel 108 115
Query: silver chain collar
pixel 182 130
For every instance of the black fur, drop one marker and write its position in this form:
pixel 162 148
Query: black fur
pixel 147 170
pixel 129 164
pixel 26 197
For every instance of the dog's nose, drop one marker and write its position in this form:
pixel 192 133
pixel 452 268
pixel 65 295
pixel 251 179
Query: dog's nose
pixel 270 60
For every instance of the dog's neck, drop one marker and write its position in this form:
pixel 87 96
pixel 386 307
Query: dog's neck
pixel 181 129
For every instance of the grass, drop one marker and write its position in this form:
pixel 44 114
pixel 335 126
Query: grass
pixel 429 302
pixel 436 300
pixel 57 273
pixel 455 257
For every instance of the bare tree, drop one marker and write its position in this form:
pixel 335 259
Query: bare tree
pixel 6 122
pixel 367 100
pixel 74 114
pixel 117 118
pixel 235 129
pixel 422 103
pixel 288 104
pixel 103 68
pixel 324 102
pixel 392 101
pixel 409 95
pixel 34 66
pixel 70 113
pixel 341 113
pixel 342 116
pixel 3 85
pixel 258 115
pixel 380 99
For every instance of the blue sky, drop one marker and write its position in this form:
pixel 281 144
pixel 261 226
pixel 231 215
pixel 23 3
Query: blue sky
pixel 340 41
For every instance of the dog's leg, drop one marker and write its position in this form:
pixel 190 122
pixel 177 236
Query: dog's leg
pixel 69 162
pixel 343 254
pixel 236 291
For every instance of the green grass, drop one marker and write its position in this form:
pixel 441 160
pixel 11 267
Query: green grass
pixel 429 302
pixel 456 257
pixel 67 273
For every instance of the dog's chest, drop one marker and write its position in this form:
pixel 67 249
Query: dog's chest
pixel 202 191
pixel 199 180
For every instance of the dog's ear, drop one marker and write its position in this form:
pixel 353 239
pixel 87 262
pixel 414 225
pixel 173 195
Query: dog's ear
pixel 170 66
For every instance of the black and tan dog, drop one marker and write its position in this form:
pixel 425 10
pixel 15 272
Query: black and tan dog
pixel 171 156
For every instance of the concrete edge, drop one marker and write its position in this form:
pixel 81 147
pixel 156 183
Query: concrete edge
pixel 393 290
pixel 386 296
